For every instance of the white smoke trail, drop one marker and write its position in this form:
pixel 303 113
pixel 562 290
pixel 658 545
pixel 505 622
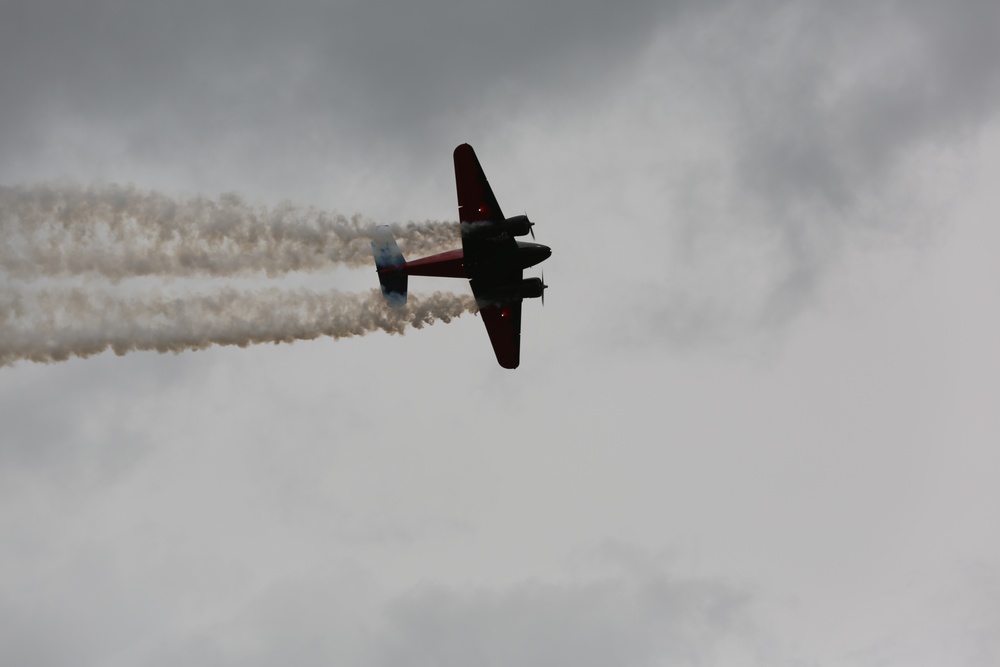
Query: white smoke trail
pixel 54 325
pixel 120 231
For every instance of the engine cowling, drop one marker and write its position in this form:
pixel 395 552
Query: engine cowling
pixel 531 288
pixel 519 225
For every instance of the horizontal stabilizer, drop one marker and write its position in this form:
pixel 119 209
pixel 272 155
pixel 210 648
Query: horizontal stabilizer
pixel 390 265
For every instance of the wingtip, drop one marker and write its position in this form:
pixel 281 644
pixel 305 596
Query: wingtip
pixel 510 361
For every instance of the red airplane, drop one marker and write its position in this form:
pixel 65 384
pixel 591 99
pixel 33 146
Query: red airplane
pixel 490 259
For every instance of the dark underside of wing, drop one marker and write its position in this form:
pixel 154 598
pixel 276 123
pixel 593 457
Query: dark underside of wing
pixel 500 308
pixel 503 324
pixel 490 255
pixel 476 201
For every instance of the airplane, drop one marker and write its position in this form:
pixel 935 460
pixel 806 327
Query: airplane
pixel 490 258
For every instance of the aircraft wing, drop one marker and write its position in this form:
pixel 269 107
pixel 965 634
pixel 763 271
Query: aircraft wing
pixel 476 201
pixel 490 255
pixel 503 324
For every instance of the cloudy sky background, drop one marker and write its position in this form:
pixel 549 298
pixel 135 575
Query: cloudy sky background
pixel 754 424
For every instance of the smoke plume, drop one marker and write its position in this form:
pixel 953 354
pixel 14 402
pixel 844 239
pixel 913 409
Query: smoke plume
pixel 54 325
pixel 121 231
pixel 70 257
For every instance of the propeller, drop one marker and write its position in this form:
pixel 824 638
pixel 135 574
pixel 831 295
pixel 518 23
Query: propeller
pixel 544 287
pixel 530 225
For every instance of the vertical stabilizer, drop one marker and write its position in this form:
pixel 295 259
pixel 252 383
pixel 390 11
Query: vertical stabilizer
pixel 390 265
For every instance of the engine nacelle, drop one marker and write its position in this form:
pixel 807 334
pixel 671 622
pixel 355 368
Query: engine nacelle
pixel 519 225
pixel 531 288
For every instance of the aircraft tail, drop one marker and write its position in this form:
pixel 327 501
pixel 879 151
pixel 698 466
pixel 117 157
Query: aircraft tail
pixel 390 265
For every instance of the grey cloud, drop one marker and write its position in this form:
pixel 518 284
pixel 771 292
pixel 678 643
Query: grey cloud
pixel 833 96
pixel 268 468
pixel 828 111
pixel 648 622
pixel 268 80
pixel 82 433
pixel 629 620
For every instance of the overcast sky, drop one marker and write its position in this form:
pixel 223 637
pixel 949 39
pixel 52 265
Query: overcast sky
pixel 755 423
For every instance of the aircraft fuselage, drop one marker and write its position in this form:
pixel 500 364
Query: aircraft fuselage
pixel 453 264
